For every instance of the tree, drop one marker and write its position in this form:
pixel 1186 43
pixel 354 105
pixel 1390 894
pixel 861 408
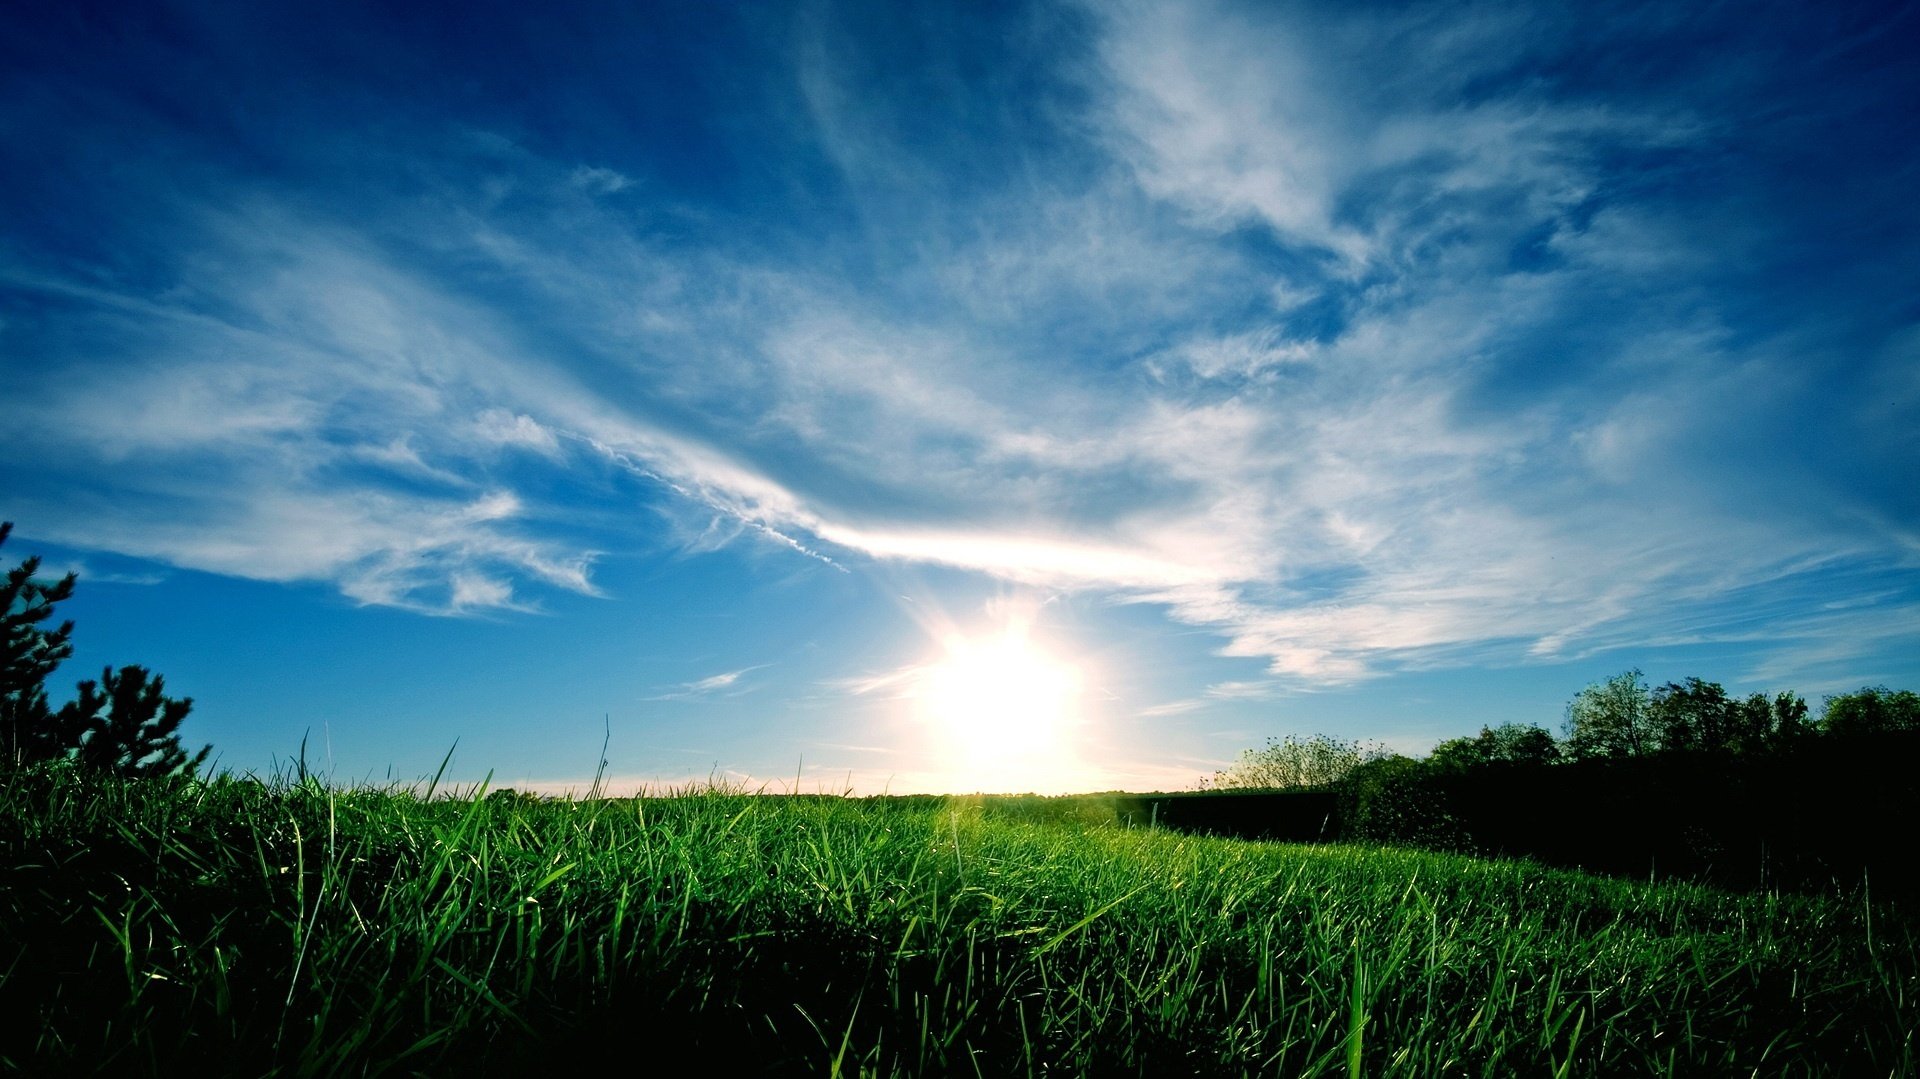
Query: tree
pixel 1319 761
pixel 1695 716
pixel 1611 718
pixel 1509 743
pixel 1777 723
pixel 124 723
pixel 1872 710
pixel 1698 716
pixel 28 654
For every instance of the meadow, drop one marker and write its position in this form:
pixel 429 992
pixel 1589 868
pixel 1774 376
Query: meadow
pixel 232 926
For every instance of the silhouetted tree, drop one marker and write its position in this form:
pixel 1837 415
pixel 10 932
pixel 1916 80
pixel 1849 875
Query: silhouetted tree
pixel 1694 716
pixel 29 652
pixel 1776 723
pixel 1509 743
pixel 1611 719
pixel 1872 710
pixel 126 724
pixel 1319 761
pixel 123 723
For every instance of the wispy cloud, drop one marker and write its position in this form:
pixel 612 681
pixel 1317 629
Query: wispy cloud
pixel 50 572
pixel 897 684
pixel 599 180
pixel 1344 335
pixel 727 682
pixel 1170 708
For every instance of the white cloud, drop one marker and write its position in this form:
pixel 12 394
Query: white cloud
pixel 1218 111
pixel 471 590
pixel 235 422
pixel 1239 691
pixel 497 425
pixel 1170 708
pixel 1283 117
pixel 1028 560
pixel 705 687
pixel 1241 355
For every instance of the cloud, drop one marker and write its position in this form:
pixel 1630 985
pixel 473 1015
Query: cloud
pixel 1027 560
pixel 51 573
pixel 1226 510
pixel 1233 691
pixel 247 433
pixel 1170 708
pixel 600 181
pixel 1296 120
pixel 1348 336
pixel 899 684
pixel 706 687
pixel 1242 355
pixel 504 428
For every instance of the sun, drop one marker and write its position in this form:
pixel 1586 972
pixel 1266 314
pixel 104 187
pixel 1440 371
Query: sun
pixel 1001 711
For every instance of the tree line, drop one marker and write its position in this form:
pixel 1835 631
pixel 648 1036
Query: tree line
pixel 1617 718
pixel 1682 779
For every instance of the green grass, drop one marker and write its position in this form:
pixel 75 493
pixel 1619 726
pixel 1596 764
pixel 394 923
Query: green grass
pixel 234 927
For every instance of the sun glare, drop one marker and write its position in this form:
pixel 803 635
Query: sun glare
pixel 1001 711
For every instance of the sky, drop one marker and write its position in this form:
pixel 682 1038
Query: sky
pixel 972 396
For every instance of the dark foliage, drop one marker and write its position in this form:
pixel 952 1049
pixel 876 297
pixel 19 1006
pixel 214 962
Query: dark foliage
pixel 1298 815
pixel 1509 743
pixel 123 723
pixel 1399 799
pixel 1682 780
pixel 29 652
pixel 1813 820
pixel 1697 716
pixel 1874 710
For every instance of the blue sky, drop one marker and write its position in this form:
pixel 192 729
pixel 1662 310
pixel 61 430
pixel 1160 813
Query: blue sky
pixel 705 377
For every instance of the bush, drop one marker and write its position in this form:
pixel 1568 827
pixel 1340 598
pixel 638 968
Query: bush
pixel 1317 762
pixel 1396 799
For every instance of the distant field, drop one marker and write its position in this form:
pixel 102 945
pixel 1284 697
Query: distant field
pixel 238 928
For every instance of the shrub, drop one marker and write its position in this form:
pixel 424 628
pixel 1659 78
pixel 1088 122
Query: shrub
pixel 1395 799
pixel 1320 761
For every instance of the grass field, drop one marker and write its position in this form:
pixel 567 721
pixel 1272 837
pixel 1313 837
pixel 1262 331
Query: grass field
pixel 235 927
